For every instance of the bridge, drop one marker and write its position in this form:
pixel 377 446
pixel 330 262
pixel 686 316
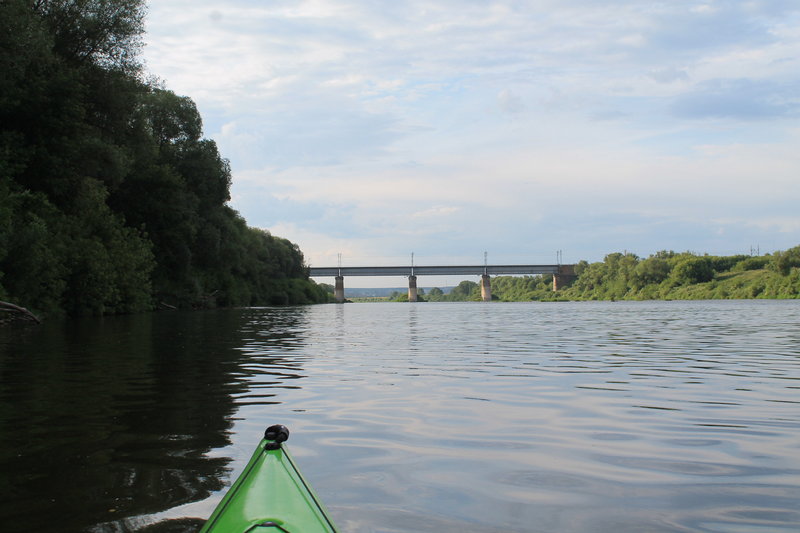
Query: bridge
pixel 562 274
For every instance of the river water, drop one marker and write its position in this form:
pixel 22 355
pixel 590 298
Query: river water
pixel 435 417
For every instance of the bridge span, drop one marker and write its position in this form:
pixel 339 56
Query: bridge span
pixel 562 274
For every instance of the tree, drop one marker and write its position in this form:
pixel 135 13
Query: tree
pixel 784 262
pixel 171 120
pixel 693 270
pixel 207 174
pixel 109 195
pixel 105 32
pixel 654 269
pixel 464 291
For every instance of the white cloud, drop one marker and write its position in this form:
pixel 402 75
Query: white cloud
pixel 436 211
pixel 784 224
pixel 668 75
pixel 510 102
pixel 703 8
pixel 320 249
pixel 375 127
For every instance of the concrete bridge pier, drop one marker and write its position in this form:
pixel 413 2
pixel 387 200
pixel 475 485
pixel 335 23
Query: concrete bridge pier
pixel 486 288
pixel 412 288
pixel 338 289
pixel 565 276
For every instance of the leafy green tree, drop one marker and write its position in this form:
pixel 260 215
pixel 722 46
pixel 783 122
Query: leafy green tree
pixel 726 263
pixel 103 32
pixel 693 270
pixel 665 254
pixel 581 266
pixel 522 289
pixel 398 296
pixel 109 196
pixel 32 263
pixel 436 294
pixel 206 173
pixel 614 278
pixel 172 121
pixel 652 270
pixel 663 275
pixel 464 291
pixel 752 263
pixel 784 262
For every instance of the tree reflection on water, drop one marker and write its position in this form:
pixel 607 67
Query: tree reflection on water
pixel 102 420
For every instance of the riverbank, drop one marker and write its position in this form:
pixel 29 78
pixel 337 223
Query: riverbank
pixel 662 276
pixel 686 276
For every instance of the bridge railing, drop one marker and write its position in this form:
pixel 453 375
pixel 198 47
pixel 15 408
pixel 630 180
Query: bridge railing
pixel 477 270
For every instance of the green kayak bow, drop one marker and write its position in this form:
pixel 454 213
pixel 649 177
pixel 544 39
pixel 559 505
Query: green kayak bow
pixel 270 495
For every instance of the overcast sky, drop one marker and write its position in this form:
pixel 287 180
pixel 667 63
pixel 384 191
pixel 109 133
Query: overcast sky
pixel 448 128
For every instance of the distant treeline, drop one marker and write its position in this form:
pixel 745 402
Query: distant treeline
pixel 465 291
pixel 664 275
pixel 110 199
pixel 686 276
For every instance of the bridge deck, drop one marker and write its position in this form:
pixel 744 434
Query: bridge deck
pixel 477 270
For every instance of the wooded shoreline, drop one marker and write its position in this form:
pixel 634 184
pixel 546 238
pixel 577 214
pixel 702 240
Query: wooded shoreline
pixel 111 200
pixel 665 275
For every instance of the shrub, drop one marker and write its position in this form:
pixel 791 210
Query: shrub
pixel 693 270
pixel 752 263
pixel 783 262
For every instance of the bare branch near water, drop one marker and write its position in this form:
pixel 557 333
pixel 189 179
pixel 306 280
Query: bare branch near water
pixel 18 312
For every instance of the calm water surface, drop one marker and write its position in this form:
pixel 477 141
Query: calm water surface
pixel 602 417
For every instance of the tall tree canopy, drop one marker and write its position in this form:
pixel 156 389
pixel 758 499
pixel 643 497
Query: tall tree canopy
pixel 110 199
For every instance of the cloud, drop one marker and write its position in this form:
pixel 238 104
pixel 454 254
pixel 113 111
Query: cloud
pixel 447 127
pixel 510 102
pixel 436 211
pixel 668 75
pixel 741 99
pixel 783 224
pixel 308 134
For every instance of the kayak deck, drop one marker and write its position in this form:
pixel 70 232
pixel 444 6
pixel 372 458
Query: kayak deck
pixel 270 495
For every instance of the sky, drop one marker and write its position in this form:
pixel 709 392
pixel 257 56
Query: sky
pixel 377 129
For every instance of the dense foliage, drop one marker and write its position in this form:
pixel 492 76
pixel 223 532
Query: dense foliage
pixel 110 199
pixel 665 275
pixel 466 291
